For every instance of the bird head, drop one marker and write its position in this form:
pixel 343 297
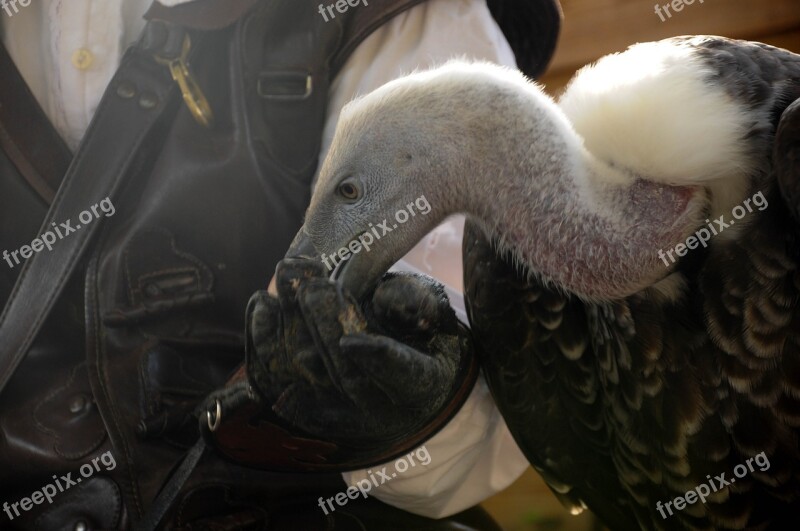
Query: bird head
pixel 379 189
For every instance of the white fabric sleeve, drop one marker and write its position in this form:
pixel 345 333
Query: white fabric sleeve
pixel 473 456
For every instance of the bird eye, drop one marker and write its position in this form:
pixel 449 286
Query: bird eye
pixel 349 191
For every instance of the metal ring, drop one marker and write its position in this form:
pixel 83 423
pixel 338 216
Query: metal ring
pixel 213 425
pixel 193 95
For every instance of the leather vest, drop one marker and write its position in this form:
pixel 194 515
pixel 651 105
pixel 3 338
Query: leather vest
pixel 153 320
pixel 191 238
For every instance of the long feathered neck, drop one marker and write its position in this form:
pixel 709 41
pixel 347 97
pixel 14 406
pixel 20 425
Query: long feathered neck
pixel 566 216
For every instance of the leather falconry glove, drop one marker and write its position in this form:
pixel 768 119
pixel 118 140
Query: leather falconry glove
pixel 347 384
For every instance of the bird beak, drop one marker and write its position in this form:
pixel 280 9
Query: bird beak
pixel 351 279
pixel 357 275
pixel 302 247
pixel 360 274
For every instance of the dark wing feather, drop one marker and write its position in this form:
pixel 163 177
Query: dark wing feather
pixel 787 156
pixel 750 291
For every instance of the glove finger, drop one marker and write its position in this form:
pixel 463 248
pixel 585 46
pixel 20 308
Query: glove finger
pixel 263 323
pixel 271 362
pixel 410 306
pixel 290 275
pixel 404 375
pixel 329 313
pixel 265 353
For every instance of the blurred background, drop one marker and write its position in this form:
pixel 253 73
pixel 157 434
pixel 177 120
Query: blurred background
pixel 591 29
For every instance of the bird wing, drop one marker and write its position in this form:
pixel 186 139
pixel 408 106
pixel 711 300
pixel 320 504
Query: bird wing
pixel 619 406
pixel 535 351
pixel 786 155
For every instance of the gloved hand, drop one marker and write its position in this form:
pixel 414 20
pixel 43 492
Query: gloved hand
pixel 347 374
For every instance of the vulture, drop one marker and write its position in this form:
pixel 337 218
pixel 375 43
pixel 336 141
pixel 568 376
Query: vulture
pixel 631 264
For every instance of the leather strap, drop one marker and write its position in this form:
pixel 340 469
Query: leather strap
pixel 166 498
pixel 362 22
pixel 88 180
pixel 201 14
pixel 26 134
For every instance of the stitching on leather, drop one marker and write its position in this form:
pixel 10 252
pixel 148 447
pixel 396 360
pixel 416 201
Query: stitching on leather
pixel 147 276
pixel 171 237
pixel 118 497
pixel 132 478
pixel 53 433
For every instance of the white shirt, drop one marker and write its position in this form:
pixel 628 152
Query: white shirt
pixel 68 50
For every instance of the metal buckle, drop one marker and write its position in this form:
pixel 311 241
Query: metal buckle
pixel 214 420
pixel 191 91
pixel 285 85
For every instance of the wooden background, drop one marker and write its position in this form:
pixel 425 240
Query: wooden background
pixel 591 29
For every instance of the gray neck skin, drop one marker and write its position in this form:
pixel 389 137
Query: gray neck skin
pixel 554 206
